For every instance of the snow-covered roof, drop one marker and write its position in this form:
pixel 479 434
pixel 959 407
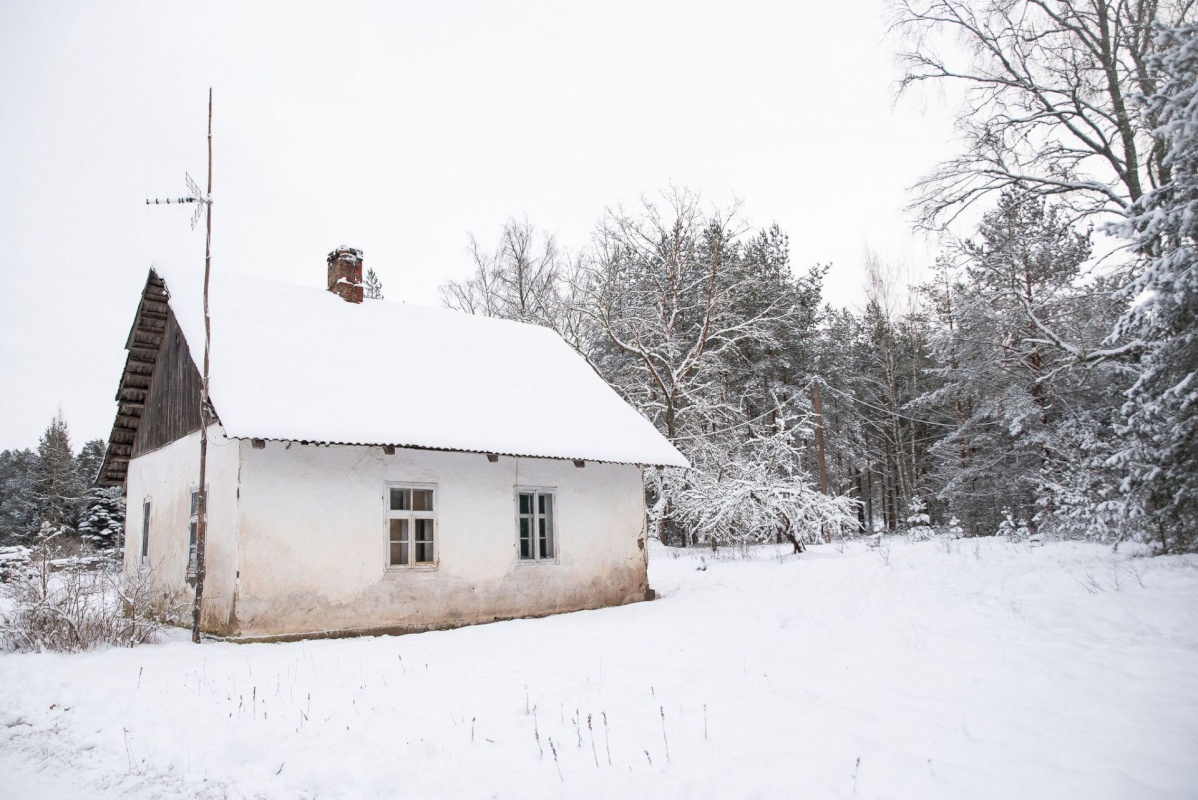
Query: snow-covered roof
pixel 301 364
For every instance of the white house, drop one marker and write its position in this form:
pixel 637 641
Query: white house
pixel 374 466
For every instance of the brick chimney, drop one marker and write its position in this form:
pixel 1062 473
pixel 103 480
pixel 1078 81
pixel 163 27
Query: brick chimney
pixel 345 274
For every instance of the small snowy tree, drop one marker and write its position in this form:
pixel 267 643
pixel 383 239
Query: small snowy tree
pixel 954 528
pixel 919 524
pixel 372 287
pixel 1007 526
pixel 1012 528
pixel 103 523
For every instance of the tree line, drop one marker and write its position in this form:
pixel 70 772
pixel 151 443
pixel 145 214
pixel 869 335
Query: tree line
pixel 52 488
pixel 1043 380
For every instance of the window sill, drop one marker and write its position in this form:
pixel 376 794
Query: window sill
pixel 537 562
pixel 393 570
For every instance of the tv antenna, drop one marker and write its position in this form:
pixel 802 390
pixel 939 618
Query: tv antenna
pixel 201 200
pixel 203 203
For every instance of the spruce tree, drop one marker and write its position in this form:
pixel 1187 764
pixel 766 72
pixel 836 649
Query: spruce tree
pixel 90 459
pixel 17 471
pixel 55 495
pixel 1162 410
pixel 103 522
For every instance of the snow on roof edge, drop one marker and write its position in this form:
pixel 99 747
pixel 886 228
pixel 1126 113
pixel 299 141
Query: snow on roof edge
pixel 185 303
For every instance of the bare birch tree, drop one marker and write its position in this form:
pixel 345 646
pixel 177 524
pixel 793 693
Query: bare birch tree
pixel 1050 90
pixel 526 278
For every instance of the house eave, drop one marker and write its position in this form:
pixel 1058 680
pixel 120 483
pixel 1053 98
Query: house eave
pixel 431 448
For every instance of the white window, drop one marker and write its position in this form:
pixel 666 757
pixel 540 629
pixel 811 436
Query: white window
pixel 193 531
pixel 411 526
pixel 535 525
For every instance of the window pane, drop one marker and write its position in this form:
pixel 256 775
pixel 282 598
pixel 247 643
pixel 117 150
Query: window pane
pixel 399 542
pixel 424 553
pixel 401 499
pixel 424 541
pixel 525 535
pixel 145 531
pixel 194 527
pixel 546 525
pixel 195 502
pixel 422 499
pixel 526 504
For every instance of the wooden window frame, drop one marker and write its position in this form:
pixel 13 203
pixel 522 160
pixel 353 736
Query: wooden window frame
pixel 389 514
pixel 193 526
pixel 147 512
pixel 555 528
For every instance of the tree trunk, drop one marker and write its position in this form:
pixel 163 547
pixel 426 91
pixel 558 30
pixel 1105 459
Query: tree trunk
pixel 869 496
pixel 819 437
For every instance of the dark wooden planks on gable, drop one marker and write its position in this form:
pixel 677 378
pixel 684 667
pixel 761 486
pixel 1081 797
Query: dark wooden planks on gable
pixel 172 406
pixel 158 400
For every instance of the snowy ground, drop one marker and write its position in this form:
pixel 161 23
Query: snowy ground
pixel 993 670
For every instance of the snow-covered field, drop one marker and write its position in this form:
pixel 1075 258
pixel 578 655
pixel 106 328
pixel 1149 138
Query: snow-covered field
pixel 956 670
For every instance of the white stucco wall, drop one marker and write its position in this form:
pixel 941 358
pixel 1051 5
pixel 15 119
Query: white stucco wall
pixel 312 540
pixel 166 477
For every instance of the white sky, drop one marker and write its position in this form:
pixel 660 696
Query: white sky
pixel 400 128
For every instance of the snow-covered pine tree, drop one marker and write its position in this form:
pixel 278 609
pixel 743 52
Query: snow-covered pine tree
pixel 89 461
pixel 919 524
pixel 103 522
pixel 1162 409
pixel 676 302
pixel 1024 411
pixel 954 528
pixel 55 494
pixel 17 471
pixel 372 287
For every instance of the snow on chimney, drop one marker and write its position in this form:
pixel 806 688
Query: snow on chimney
pixel 345 274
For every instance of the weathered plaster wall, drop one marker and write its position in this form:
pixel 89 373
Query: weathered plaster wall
pixel 166 477
pixel 312 539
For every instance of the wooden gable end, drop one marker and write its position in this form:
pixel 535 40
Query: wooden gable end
pixel 158 401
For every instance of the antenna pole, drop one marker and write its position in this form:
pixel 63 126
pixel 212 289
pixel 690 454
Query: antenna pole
pixel 202 511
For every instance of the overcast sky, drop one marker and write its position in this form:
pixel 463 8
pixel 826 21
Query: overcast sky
pixel 400 128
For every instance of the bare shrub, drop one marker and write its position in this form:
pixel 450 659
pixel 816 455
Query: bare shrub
pixel 1088 582
pixel 882 548
pixel 1137 568
pixel 70 610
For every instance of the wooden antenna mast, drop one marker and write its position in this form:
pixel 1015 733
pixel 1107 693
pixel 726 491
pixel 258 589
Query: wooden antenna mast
pixel 203 201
